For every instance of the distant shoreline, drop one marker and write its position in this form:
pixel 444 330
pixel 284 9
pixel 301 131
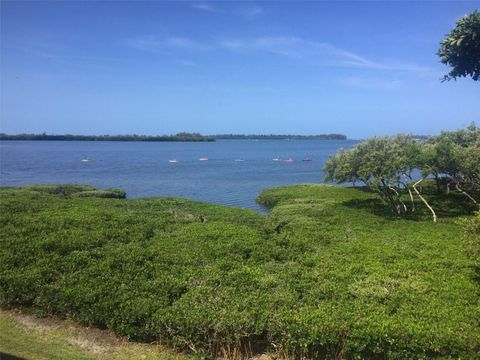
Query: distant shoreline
pixel 279 137
pixel 180 137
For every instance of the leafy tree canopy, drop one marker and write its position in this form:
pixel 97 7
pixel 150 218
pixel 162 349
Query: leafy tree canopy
pixel 461 48
pixel 386 164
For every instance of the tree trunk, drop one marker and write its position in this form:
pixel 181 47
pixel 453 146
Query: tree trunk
pixel 411 198
pixel 423 199
pixel 439 187
pixel 398 200
pixel 465 193
pixel 407 177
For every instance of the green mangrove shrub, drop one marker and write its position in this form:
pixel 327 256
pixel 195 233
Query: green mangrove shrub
pixel 64 190
pixel 326 275
pixel 107 193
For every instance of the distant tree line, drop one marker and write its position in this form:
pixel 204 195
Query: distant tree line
pixel 183 136
pixel 279 137
pixel 387 166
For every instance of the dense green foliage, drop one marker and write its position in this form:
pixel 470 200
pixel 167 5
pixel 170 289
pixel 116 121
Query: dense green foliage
pixel 461 48
pixel 386 164
pixel 453 159
pixel 108 193
pixel 62 189
pixel 326 274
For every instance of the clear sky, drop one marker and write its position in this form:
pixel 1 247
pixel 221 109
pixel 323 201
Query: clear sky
pixel 118 67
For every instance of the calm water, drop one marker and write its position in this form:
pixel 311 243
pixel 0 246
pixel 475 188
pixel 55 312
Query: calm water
pixel 142 168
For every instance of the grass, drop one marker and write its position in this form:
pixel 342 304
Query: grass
pixel 27 337
pixel 328 274
pixel 21 342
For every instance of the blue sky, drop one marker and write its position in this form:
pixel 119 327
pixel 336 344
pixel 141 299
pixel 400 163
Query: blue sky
pixel 117 67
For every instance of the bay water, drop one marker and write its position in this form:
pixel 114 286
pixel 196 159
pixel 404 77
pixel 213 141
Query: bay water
pixel 234 174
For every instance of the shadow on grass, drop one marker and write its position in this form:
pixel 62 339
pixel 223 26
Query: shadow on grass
pixel 476 274
pixel 445 206
pixel 374 206
pixel 5 356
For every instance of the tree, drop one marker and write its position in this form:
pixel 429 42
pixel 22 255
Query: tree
pixel 461 48
pixel 343 167
pixel 453 159
pixel 384 164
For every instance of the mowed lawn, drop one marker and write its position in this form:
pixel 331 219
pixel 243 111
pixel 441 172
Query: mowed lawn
pixel 329 273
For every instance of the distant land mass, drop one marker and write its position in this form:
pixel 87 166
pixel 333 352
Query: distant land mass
pixel 279 137
pixel 183 136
